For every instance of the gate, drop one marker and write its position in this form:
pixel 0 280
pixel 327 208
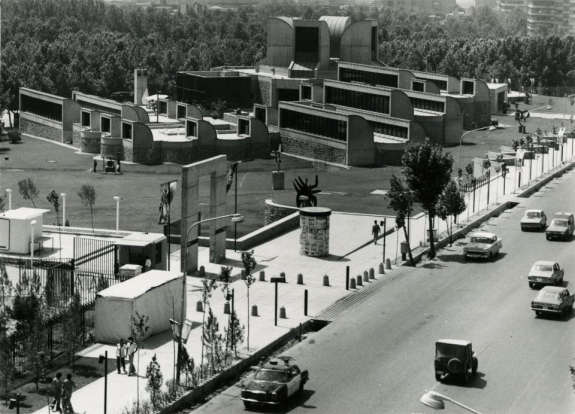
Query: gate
pixel 95 256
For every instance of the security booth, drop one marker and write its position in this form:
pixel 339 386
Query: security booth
pixel 16 230
pixel 133 249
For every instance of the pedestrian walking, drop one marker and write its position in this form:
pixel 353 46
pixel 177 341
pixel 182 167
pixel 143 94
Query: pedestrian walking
pixel 375 231
pixel 57 391
pixel 95 166
pixel 132 349
pixel 121 350
pixel 68 387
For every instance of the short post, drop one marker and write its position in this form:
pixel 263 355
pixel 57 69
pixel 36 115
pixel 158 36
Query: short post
pixel 326 280
pixel 9 192
pixel 384 231
pixel 519 183
pixel 202 271
pixel 388 264
pixel 283 275
pixel 227 308
pixel 199 306
pixel 283 313
pixel 488 185
pixel 474 182
pixel 381 269
pixel 352 283
pixel 347 278
pixel 262 276
pixel 305 298
pixel 299 279
pixel 371 273
pixel 365 276
pixel 254 310
pixel 359 282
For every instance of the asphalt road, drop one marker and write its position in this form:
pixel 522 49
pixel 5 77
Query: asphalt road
pixel 378 358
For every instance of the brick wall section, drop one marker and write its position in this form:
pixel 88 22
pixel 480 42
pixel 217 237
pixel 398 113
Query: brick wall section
pixel 76 136
pixel 112 150
pixel 295 146
pixel 274 212
pixel 387 157
pixel 264 92
pixel 90 145
pixel 39 130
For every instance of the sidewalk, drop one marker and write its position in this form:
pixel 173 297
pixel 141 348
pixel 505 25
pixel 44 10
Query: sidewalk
pixel 348 233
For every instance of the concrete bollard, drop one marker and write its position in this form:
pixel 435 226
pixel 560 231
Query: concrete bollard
pixel 202 272
pixel 199 306
pixel 388 264
pixel 282 274
pixel 371 273
pixel 299 279
pixel 381 271
pixel 262 276
pixel 352 283
pixel 326 280
pixel 365 276
pixel 255 310
pixel 243 275
pixel 227 308
pixel 283 313
pixel 359 282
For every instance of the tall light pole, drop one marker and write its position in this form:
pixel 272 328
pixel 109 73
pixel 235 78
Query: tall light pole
pixel 436 400
pixel 63 195
pixel 491 128
pixel 236 218
pixel 9 192
pixel 117 213
pixel 32 224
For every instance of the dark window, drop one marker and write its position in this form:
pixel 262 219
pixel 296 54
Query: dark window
pixel 163 108
pixel 288 94
pixel 374 39
pixel 260 113
pixel 136 255
pixel 468 88
pixel 243 127
pixel 181 111
pixel 41 107
pixel 418 86
pixel 158 253
pixel 388 129
pixel 428 105
pixel 126 130
pixel 313 124
pixel 191 129
pixel 441 84
pixel 306 44
pixel 357 99
pixel 101 108
pixel 306 92
pixel 85 119
pixel 371 78
pixel 105 124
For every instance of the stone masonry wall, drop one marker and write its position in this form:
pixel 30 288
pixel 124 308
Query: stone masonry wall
pixel 76 137
pixel 44 131
pixel 90 145
pixel 112 151
pixel 265 92
pixel 313 150
pixel 274 212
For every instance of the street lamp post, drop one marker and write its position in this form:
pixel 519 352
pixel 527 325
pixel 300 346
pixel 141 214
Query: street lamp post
pixel 9 192
pixel 436 400
pixel 15 403
pixel 63 195
pixel 117 213
pixel 103 359
pixel 236 218
pixel 491 128
pixel 32 224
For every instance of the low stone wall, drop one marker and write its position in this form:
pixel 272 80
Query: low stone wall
pixel 312 150
pixel 109 147
pixel 274 212
pixel 29 126
pixel 76 135
pixel 90 142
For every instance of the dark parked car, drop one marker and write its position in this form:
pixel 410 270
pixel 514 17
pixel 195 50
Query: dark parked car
pixel 273 383
pixel 456 358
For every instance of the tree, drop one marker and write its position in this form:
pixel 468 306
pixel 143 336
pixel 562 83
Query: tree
pixel 155 381
pixel 139 329
pixel 249 263
pixel 6 287
pixel 88 196
pixel 469 171
pixel 54 199
pixel 213 339
pixel 36 349
pixel 234 333
pixel 27 303
pixel 451 204
pixel 401 201
pixel 7 368
pixel 427 171
pixel 72 327
pixel 28 190
pixel 208 286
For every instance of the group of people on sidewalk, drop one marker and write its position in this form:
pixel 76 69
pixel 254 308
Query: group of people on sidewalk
pixel 124 350
pixel 63 393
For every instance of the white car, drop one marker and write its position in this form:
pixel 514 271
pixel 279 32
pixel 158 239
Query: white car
pixel 545 273
pixel 534 219
pixel 483 245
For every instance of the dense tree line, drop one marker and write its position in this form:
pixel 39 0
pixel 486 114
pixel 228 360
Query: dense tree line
pixel 58 46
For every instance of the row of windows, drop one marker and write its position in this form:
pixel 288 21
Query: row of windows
pixel 468 88
pixel 313 124
pixel 356 99
pixel 371 78
pixel 441 84
pixel 388 129
pixel 99 108
pixel 428 105
pixel 41 107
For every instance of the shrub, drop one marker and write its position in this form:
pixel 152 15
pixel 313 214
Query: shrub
pixel 14 137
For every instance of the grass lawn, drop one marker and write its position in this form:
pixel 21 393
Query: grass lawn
pixel 54 167
pixel 87 370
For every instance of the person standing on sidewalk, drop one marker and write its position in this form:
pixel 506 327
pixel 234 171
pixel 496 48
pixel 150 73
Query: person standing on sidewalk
pixel 57 391
pixel 132 349
pixel 375 231
pixel 95 166
pixel 69 386
pixel 121 350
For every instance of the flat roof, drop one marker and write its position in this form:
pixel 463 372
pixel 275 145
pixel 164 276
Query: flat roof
pixel 454 342
pixel 138 285
pixel 25 213
pixel 142 238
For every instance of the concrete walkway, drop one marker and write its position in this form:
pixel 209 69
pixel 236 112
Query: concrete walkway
pixel 348 233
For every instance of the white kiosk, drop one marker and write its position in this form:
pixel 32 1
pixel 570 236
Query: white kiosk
pixel 15 230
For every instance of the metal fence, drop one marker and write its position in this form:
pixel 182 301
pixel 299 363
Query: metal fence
pixel 476 183
pixel 95 256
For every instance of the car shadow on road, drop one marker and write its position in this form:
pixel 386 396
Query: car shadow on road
pixel 457 257
pixel 296 401
pixel 476 381
pixel 557 318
